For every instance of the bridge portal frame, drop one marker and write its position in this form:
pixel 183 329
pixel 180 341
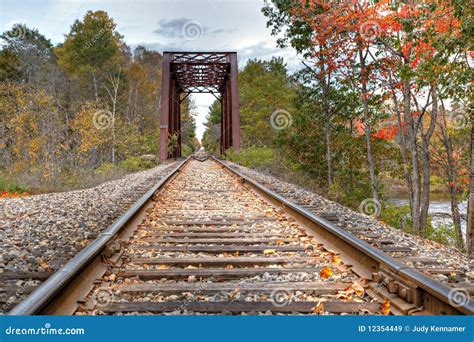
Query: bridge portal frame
pixel 184 73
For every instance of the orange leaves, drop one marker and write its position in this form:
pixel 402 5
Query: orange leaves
pixel 385 307
pixel 44 265
pixel 336 260
pixel 387 133
pixel 357 288
pixel 326 272
pixel 6 194
pixel 318 309
pixel 352 293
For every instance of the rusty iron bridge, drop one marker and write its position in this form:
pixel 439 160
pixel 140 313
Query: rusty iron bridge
pixel 185 73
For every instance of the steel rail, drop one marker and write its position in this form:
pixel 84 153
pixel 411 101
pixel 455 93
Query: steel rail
pixel 430 286
pixel 43 294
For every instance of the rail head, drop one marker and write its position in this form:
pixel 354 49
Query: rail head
pixel 427 284
pixel 43 294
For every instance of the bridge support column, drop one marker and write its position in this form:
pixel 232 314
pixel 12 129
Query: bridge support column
pixel 234 94
pixel 165 107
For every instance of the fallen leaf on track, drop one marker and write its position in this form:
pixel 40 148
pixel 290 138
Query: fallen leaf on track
pixel 326 272
pixel 385 307
pixel 269 251
pixel 318 309
pixel 336 260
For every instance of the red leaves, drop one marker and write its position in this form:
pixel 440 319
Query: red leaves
pixel 387 133
pixel 6 194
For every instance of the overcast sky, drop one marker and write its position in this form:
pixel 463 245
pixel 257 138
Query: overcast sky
pixel 193 25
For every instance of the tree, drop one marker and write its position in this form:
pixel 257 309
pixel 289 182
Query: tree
pixel 265 89
pixel 92 49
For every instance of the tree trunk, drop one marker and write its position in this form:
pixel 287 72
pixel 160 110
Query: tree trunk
pixel 327 115
pixel 451 179
pixel 412 145
pixel 370 157
pixel 368 130
pixel 426 138
pixel 470 207
pixel 96 92
pixel 402 143
pixel 329 153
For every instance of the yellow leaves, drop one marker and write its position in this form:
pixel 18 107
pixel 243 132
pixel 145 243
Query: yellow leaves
pixel 163 267
pixel 318 309
pixel 326 272
pixel 269 251
pixel 336 260
pixel 44 265
pixel 356 289
pixel 385 307
pixel 229 266
pixel 352 293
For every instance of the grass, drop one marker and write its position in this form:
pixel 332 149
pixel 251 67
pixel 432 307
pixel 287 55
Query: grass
pixel 68 180
pixel 8 185
pixel 254 157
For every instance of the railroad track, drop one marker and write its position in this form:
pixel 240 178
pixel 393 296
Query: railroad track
pixel 208 240
pixel 430 266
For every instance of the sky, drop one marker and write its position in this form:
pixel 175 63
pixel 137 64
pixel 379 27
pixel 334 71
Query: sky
pixel 162 25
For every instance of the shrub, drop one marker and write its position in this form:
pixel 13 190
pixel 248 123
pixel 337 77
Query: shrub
pixel 255 157
pixel 397 216
pixel 133 164
pixel 10 186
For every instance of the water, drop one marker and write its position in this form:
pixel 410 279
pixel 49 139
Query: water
pixel 439 205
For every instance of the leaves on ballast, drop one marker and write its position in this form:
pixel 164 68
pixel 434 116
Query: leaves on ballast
pixel 336 260
pixel 326 272
pixel 318 309
pixel 385 307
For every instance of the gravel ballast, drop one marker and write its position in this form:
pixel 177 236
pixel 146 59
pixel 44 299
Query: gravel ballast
pixel 41 233
pixel 446 257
